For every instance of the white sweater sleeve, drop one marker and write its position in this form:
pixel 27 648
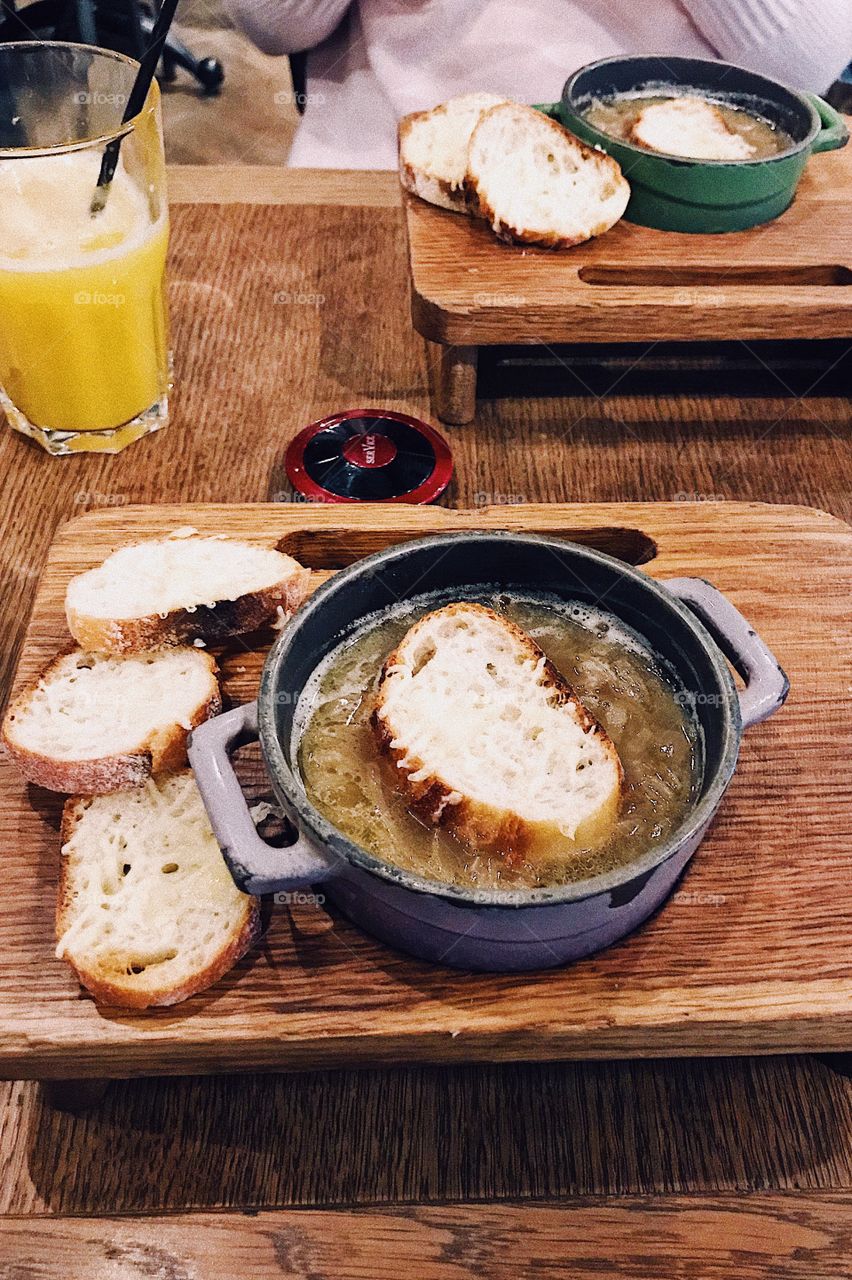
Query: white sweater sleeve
pixel 286 26
pixel 805 43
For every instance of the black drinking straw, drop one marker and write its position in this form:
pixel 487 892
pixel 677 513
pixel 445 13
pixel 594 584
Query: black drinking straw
pixel 135 102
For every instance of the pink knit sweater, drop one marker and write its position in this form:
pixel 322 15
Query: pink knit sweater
pixel 374 60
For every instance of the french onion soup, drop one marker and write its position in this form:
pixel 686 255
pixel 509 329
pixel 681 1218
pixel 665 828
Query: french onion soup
pixel 632 695
pixel 688 124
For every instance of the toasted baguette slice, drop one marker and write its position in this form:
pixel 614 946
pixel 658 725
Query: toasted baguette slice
pixel 178 589
pixel 433 149
pixel 93 723
pixel 538 184
pixel 688 127
pixel 147 912
pixel 489 739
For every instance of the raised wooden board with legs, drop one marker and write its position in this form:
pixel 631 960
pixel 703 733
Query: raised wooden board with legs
pixel 789 278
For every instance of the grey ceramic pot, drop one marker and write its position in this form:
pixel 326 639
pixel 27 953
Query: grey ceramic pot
pixel 466 928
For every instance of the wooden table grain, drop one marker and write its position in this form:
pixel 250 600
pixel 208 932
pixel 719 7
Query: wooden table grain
pixel 628 1169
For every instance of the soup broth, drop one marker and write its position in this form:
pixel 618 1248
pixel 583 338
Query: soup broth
pixel 615 116
pixel 616 676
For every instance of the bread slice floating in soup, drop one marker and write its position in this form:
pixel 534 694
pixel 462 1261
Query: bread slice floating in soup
pixel 489 740
pixel 689 127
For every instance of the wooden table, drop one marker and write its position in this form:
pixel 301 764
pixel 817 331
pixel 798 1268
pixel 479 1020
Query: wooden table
pixel 691 1168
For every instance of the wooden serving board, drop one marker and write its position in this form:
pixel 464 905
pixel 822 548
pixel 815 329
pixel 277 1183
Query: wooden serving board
pixel 788 278
pixel 753 954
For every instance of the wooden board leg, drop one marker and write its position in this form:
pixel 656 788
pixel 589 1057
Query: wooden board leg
pixel 73 1095
pixel 457 385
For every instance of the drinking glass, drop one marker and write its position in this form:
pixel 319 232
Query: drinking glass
pixel 84 362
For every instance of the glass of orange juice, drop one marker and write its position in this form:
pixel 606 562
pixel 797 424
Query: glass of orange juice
pixel 84 363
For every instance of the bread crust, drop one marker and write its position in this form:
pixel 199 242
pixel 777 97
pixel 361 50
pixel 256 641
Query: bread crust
pixel 504 230
pixel 101 984
pixel 432 799
pixel 162 752
pixel 227 618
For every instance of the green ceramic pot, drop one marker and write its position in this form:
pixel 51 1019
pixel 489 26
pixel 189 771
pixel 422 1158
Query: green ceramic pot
pixel 675 194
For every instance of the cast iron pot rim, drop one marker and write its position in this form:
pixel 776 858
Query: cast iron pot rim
pixel 646 153
pixel 285 780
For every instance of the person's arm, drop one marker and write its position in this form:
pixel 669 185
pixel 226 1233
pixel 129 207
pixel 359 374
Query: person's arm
pixel 286 26
pixel 805 43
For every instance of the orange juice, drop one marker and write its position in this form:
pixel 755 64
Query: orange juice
pixel 83 337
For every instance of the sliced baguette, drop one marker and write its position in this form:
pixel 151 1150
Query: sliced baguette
pixel 538 184
pixel 92 723
pixel 689 127
pixel 181 589
pixel 433 149
pixel 489 740
pixel 147 912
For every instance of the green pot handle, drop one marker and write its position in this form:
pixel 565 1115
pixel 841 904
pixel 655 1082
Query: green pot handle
pixel 552 109
pixel 834 132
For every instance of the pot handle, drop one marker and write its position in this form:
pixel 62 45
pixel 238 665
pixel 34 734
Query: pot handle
pixel 834 132
pixel 766 684
pixel 256 866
